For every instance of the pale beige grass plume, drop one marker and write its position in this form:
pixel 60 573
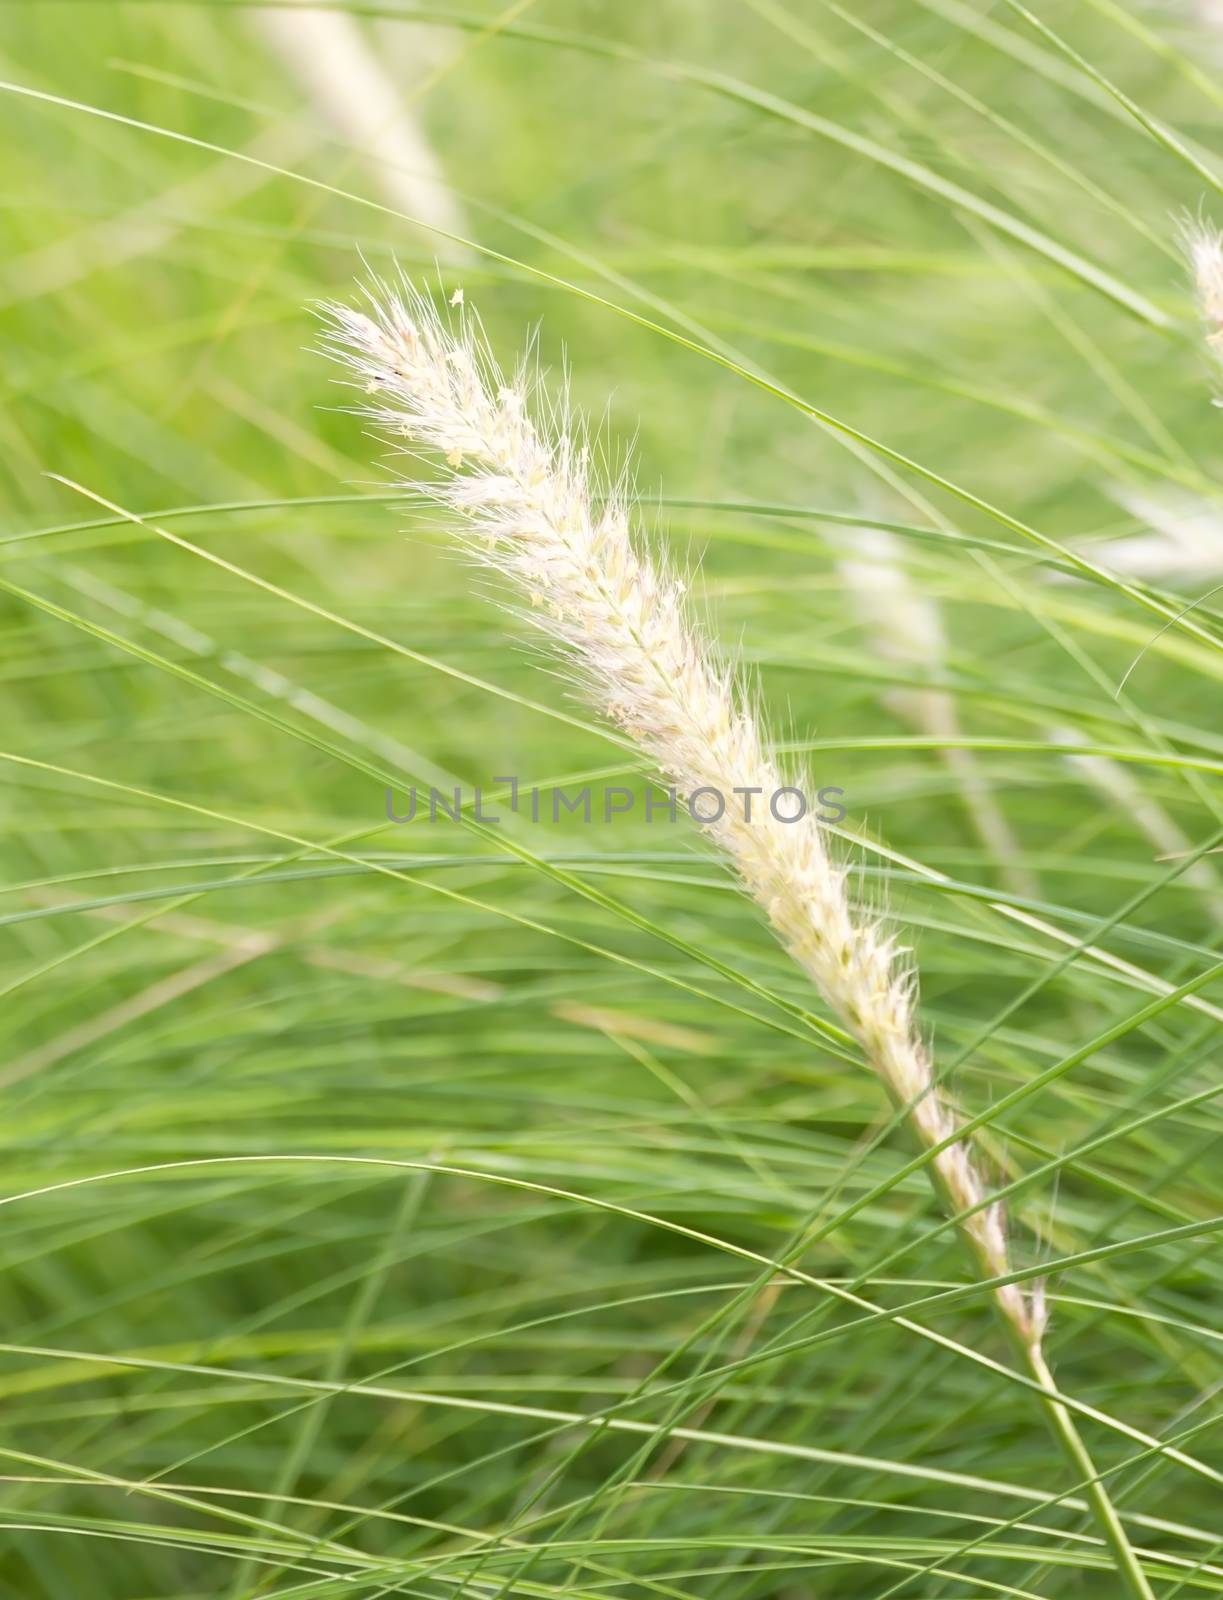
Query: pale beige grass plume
pixel 528 509
pixel 1182 541
pixel 529 505
pixel 351 89
pixel 1204 247
pixel 905 628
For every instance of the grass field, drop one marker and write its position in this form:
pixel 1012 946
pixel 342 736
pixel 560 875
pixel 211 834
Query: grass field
pixel 448 1211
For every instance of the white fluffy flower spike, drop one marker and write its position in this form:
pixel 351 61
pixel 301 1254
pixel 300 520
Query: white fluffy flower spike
pixel 1204 247
pixel 524 497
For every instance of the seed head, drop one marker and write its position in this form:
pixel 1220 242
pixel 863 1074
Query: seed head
pixel 526 507
pixel 1204 247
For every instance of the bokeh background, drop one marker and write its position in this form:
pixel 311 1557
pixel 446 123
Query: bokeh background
pixel 390 1210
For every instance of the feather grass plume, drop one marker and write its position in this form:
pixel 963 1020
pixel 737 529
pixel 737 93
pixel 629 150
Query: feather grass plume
pixel 529 511
pixel 524 498
pixel 1182 540
pixel 906 629
pixel 1204 246
pixel 370 107
pixel 1129 799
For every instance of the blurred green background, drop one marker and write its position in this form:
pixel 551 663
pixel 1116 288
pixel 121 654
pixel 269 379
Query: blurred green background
pixel 909 264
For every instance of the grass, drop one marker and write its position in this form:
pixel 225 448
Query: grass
pixel 433 1211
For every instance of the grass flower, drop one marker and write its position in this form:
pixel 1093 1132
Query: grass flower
pixel 350 88
pixel 1129 799
pixel 1182 539
pixel 906 630
pixel 529 510
pixel 1204 247
pixel 524 498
